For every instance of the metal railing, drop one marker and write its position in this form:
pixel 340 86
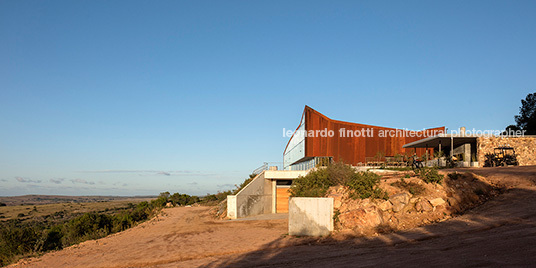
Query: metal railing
pixel 312 163
pixel 386 161
pixel 266 166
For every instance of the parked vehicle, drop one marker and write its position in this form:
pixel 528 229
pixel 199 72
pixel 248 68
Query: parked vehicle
pixel 501 156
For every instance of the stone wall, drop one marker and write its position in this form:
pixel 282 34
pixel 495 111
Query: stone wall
pixel 525 148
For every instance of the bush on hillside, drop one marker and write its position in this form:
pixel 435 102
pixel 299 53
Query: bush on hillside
pixel 18 238
pixel 183 199
pixel 317 182
pixel 429 175
pixel 365 185
pixel 213 199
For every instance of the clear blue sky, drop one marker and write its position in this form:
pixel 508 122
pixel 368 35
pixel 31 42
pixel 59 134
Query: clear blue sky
pixel 140 97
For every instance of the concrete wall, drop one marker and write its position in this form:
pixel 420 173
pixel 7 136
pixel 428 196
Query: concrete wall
pixel 251 200
pixel 465 150
pixel 524 146
pixel 268 185
pixel 310 216
pixel 231 206
pixel 258 196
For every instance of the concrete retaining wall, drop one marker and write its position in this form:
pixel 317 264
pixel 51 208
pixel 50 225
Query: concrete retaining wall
pixel 310 216
pixel 250 201
pixel 231 206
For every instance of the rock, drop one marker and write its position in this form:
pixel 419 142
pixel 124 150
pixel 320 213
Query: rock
pixel 414 200
pixel 474 198
pixel 441 208
pixel 437 202
pixel 452 201
pixel 386 205
pixel 423 205
pixel 362 218
pixel 399 201
pixel 349 205
pixel 337 200
pixel 394 221
pixel 364 202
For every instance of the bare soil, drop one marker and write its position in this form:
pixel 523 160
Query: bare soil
pixel 501 232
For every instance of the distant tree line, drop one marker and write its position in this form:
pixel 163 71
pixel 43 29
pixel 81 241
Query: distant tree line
pixel 19 238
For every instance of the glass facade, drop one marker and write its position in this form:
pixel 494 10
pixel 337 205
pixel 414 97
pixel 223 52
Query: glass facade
pixel 311 163
pixel 296 147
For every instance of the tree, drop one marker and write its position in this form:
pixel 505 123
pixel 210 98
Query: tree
pixel 526 120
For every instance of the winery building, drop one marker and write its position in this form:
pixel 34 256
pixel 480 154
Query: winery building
pixel 316 140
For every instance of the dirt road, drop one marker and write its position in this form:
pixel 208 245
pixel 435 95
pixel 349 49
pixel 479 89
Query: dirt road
pixel 499 233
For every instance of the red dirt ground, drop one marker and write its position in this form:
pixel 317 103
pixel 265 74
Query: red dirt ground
pixel 499 233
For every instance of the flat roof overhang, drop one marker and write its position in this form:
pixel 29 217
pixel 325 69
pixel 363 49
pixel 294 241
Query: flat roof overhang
pixel 444 140
pixel 284 174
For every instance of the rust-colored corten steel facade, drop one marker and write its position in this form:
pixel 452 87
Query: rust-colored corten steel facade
pixel 348 142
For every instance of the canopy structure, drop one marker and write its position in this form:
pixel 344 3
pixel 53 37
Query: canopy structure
pixel 454 144
pixel 441 140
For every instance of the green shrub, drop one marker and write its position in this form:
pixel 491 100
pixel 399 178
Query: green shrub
pixel 88 226
pixel 16 239
pixel 183 199
pixel 429 175
pixel 315 184
pixel 161 201
pixel 365 185
pixel 51 239
pixel 213 199
pixel 336 219
pixel 340 173
pixel 122 222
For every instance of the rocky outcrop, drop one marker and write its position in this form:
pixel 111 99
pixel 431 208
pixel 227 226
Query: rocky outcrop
pixel 404 210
